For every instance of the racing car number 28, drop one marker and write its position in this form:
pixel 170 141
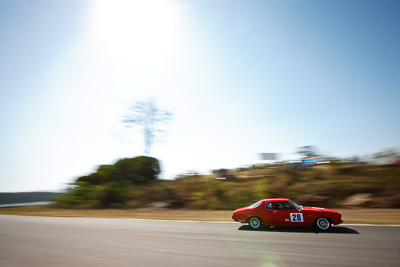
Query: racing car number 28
pixel 296 217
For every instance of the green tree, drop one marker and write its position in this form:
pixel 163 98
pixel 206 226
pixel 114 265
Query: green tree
pixel 111 185
pixel 137 170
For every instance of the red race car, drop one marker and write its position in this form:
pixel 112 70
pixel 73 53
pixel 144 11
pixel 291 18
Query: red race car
pixel 284 212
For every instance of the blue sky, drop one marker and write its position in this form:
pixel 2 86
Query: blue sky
pixel 241 77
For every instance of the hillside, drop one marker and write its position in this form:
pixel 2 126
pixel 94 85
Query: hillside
pixel 329 185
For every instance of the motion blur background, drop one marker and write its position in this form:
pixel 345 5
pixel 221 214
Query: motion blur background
pixel 240 77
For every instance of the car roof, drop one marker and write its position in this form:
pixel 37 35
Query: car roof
pixel 274 199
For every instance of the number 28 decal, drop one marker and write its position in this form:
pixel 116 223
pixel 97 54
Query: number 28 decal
pixel 296 217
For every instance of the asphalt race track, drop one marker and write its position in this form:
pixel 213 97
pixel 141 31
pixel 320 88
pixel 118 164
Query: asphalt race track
pixel 48 241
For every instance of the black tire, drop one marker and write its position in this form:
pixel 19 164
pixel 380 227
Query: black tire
pixel 255 222
pixel 323 224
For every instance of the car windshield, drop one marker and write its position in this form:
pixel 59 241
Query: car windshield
pixel 255 205
pixel 295 205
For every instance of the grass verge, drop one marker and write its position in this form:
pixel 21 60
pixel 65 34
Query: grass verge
pixel 372 216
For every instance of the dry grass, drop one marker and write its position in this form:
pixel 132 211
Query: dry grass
pixel 159 214
pixel 375 216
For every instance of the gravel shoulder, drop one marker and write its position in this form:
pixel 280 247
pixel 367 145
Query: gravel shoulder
pixel 371 216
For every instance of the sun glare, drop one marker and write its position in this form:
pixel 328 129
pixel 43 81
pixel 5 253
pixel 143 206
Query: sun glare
pixel 135 32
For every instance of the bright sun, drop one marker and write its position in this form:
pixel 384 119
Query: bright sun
pixel 135 32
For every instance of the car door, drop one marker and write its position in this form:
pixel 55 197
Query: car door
pixel 267 214
pixel 284 214
pixel 297 217
pixel 280 216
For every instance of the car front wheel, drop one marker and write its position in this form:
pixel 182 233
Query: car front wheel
pixel 323 224
pixel 255 222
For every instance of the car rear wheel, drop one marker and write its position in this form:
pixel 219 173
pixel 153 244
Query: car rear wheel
pixel 255 222
pixel 323 224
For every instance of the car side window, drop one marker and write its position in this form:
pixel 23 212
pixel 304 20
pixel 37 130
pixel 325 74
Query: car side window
pixel 268 206
pixel 279 206
pixel 290 206
pixel 284 205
